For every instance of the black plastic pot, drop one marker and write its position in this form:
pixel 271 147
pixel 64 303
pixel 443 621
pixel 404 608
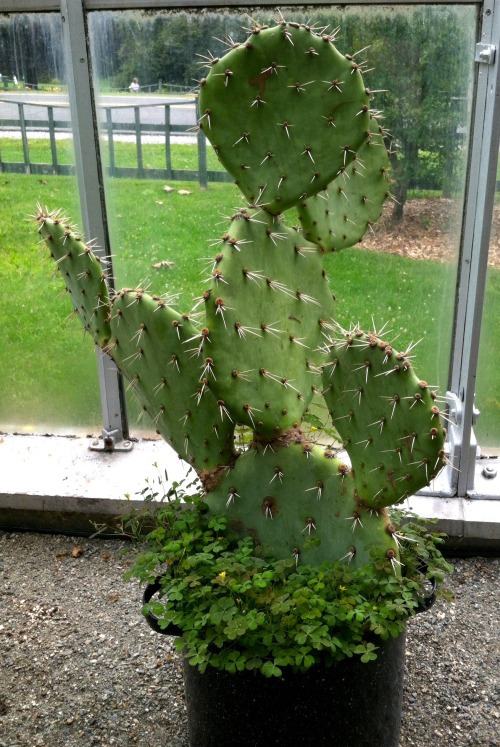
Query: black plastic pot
pixel 348 705
pixel 152 620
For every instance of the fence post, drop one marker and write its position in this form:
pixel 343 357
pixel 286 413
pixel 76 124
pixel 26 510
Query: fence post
pixel 52 136
pixel 24 136
pixel 111 143
pixel 138 142
pixel 202 152
pixel 168 152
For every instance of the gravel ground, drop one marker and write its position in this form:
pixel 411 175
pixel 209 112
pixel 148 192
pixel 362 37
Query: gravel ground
pixel 80 667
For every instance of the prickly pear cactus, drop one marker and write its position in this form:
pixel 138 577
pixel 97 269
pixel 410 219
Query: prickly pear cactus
pixel 265 315
pixel 339 216
pixel 289 117
pixel 285 112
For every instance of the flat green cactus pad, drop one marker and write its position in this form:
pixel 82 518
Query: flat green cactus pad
pixel 82 271
pixel 285 112
pixel 299 500
pixel 339 216
pixel 153 346
pixel 387 417
pixel 265 313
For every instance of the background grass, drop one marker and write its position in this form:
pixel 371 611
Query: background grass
pixel 47 369
pixel 153 154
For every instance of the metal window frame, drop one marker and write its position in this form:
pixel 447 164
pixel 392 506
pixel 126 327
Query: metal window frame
pixel 462 480
pixel 476 232
pixel 30 6
pixel 93 205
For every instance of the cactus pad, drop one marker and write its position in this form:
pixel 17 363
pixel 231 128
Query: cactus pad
pixel 167 379
pixel 265 313
pixel 285 112
pixel 339 216
pixel 302 504
pixel 83 273
pixel 387 417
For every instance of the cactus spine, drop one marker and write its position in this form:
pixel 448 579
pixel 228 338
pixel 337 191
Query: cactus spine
pixel 289 118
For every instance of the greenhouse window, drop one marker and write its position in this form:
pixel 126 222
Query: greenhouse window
pixel 100 120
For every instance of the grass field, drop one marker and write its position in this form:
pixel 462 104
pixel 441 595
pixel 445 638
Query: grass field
pixel 47 370
pixel 153 155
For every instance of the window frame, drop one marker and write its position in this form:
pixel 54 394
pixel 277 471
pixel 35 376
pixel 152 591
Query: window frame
pixel 464 478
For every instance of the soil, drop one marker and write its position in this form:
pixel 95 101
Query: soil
pixel 430 229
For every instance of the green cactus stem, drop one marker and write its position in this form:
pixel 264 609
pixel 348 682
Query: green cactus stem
pixel 386 416
pixel 340 216
pixel 298 499
pixel 268 297
pixel 173 387
pixel 289 118
pixel 83 271
pixel 285 111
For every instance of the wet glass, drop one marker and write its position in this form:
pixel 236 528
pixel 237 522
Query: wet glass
pixel 164 224
pixel 48 374
pixel 488 376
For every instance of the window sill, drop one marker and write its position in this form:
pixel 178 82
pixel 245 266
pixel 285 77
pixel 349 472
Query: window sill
pixel 57 484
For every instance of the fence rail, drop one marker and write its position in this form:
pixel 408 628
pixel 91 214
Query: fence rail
pixel 137 129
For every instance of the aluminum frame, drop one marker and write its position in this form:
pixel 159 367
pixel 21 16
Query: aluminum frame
pixel 30 6
pixel 92 200
pixel 476 232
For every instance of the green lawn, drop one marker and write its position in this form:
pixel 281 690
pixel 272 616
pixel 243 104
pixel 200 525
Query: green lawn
pixel 47 370
pixel 153 155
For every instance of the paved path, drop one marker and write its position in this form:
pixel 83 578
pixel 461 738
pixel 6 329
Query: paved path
pixel 152 111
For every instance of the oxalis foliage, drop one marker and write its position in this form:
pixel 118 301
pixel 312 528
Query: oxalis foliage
pixel 241 610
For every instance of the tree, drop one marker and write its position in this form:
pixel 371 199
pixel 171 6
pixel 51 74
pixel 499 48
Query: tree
pixel 422 60
pixel 31 47
pixel 423 64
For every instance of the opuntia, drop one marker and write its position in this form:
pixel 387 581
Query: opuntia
pixel 289 117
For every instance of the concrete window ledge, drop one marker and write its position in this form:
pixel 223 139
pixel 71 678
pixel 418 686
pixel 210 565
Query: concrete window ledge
pixel 57 484
pixel 472 524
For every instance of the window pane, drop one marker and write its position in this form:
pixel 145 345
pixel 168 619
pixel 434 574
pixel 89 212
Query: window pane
pixel 402 274
pixel 48 377
pixel 488 375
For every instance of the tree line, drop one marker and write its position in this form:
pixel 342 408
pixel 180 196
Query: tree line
pixel 420 61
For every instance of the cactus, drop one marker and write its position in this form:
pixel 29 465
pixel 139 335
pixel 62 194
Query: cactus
pixel 289 117
pixel 285 112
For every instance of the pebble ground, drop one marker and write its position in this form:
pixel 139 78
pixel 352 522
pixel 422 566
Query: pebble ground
pixel 80 667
